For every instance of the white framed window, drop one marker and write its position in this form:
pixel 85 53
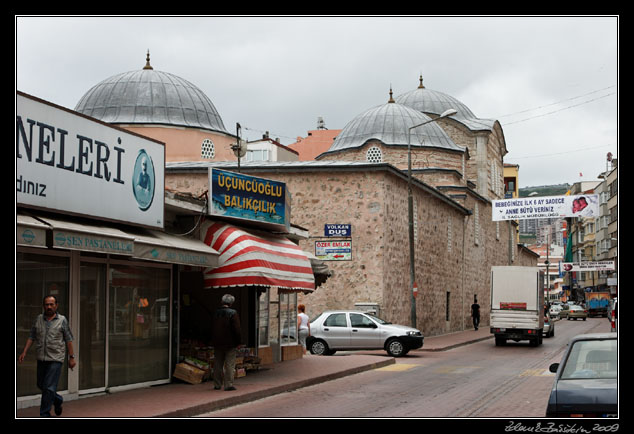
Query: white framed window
pixel 288 318
pixel 374 155
pixel 207 150
pixel 258 155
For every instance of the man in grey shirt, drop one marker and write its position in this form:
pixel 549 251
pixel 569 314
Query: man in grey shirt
pixel 52 336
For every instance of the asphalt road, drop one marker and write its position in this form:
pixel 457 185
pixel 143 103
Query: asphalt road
pixel 478 380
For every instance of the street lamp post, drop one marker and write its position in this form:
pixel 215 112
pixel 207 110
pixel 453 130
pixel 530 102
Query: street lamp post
pixel 410 209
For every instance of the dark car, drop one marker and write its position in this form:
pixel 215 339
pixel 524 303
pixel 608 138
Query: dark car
pixel 586 379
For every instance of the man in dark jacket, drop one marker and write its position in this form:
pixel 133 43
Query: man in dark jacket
pixel 225 338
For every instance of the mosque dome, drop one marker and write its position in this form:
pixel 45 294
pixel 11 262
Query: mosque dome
pixel 147 96
pixel 390 123
pixel 434 102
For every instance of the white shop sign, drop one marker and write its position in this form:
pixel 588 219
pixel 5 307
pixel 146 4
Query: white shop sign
pixel 71 163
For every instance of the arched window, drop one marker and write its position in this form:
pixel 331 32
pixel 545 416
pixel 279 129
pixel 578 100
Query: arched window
pixel 207 150
pixel 374 155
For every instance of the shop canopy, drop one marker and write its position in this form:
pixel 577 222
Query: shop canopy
pixel 250 258
pixel 66 232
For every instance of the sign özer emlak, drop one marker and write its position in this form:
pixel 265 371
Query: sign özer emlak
pixel 242 197
pixel 72 163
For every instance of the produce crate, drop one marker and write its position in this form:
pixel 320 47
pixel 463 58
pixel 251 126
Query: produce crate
pixel 188 373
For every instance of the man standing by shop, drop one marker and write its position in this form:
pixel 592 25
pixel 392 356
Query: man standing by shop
pixel 225 338
pixel 52 336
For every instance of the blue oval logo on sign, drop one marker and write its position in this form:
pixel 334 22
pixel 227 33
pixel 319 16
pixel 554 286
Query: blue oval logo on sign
pixel 143 180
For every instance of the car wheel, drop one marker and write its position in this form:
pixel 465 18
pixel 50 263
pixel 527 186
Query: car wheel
pixel 395 348
pixel 319 347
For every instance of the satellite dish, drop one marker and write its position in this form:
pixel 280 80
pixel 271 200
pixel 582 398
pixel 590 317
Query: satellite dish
pixel 240 148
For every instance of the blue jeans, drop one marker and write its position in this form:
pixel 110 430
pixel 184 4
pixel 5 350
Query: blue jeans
pixel 48 374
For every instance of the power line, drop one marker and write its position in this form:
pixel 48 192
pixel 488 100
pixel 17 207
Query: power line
pixel 561 153
pixel 556 111
pixel 558 102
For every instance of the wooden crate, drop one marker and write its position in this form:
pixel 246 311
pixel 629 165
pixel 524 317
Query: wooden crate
pixel 188 373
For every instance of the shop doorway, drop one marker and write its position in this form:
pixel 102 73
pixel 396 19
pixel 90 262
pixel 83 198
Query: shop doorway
pixel 124 333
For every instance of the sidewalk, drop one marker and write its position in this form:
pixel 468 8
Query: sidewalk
pixel 184 400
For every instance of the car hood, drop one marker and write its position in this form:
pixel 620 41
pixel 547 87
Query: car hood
pixel 396 328
pixel 585 394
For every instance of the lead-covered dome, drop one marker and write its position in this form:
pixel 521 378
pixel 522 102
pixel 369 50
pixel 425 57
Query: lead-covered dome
pixel 434 102
pixel 146 97
pixel 390 124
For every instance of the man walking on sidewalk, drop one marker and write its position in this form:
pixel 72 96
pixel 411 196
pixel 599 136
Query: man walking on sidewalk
pixel 51 335
pixel 475 312
pixel 225 338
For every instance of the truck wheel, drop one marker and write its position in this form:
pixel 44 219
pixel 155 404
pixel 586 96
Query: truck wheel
pixel 500 342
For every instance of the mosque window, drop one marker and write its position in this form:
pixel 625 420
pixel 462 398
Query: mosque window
pixel 207 150
pixel 374 155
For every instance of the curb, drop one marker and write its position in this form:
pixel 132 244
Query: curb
pixel 253 396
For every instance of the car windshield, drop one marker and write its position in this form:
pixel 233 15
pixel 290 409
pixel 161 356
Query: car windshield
pixel 591 359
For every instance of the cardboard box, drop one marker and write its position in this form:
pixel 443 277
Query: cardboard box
pixel 188 373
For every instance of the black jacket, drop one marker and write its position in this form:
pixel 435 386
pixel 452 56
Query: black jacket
pixel 225 328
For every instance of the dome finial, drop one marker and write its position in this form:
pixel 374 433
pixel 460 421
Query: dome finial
pixel 391 100
pixel 147 61
pixel 420 86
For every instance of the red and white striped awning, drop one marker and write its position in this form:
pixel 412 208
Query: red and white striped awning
pixel 247 259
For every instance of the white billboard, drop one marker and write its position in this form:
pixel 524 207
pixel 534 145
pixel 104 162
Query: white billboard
pixel 71 163
pixel 583 205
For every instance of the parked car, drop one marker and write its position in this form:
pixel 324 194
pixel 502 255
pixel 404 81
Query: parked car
pixel 554 310
pixel 355 330
pixel 575 311
pixel 586 380
pixel 563 313
pixel 549 326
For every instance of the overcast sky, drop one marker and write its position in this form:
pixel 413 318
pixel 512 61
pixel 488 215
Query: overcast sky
pixel 552 82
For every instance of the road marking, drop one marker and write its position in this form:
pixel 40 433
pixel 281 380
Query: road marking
pixel 397 367
pixel 456 369
pixel 540 372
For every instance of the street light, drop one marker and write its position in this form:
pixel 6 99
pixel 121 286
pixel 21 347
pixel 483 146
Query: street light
pixel 410 209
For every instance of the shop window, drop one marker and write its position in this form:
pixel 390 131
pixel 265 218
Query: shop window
pixel 138 324
pixel 36 277
pixel 288 318
pixel 92 326
pixel 263 319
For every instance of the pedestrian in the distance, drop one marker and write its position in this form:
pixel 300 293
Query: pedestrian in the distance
pixel 52 336
pixel 225 338
pixel 475 313
pixel 303 326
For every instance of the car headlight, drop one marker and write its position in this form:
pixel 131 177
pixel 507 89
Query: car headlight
pixel 414 333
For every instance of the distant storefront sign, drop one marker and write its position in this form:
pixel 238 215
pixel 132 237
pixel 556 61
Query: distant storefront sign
pixel 243 197
pixel 333 250
pixel 337 230
pixel 72 163
pixel 588 266
pixel 585 205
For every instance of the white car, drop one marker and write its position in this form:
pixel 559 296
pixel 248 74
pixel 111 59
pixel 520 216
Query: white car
pixel 554 310
pixel 356 330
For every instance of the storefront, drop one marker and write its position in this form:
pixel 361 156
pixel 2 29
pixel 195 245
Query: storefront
pixel 260 263
pixel 90 230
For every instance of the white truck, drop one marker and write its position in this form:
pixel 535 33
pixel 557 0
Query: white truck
pixel 517 304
